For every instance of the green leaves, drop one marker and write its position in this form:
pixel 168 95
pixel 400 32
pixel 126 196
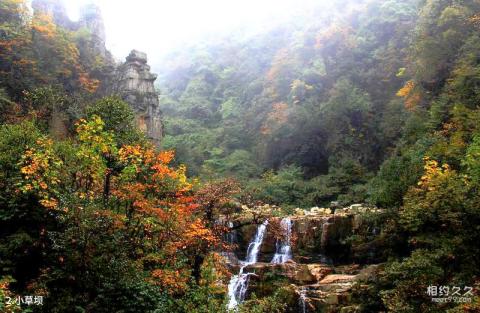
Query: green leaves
pixel 118 117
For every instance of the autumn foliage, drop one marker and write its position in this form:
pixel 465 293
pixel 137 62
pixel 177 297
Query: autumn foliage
pixel 34 47
pixel 147 200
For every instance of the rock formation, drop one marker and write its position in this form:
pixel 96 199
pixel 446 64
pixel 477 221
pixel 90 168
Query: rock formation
pixel 91 19
pixel 131 80
pixel 135 85
pixel 56 10
pixel 325 268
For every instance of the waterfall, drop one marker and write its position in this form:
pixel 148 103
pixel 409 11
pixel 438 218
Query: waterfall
pixel 302 299
pixel 237 287
pixel 284 250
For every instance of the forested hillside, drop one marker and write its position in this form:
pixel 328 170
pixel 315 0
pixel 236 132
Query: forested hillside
pixel 373 102
pixel 314 99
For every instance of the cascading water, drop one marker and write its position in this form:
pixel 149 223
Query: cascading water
pixel 302 299
pixel 284 250
pixel 239 283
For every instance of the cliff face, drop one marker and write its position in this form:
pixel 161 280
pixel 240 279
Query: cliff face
pixel 56 10
pixel 131 80
pixel 135 84
pixel 90 19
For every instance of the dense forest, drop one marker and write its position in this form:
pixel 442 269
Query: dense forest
pixel 372 102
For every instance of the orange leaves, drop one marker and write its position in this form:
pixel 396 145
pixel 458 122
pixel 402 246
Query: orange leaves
pixel 133 191
pixel 144 155
pixel 154 167
pixel 49 203
pixel 196 230
pixel 407 89
pixel 413 101
pixel 44 30
pixel 36 47
pixel 44 25
pixel 165 157
pixel 90 85
pixel 135 155
pixel 172 280
pixel 277 117
pixel 281 57
pixel 117 219
pixel 475 20
pixel 412 97
pixel 154 190
pixel 278 113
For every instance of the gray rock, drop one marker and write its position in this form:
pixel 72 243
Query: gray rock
pixel 131 80
pixel 134 83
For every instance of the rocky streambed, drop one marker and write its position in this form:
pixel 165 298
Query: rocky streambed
pixel 307 255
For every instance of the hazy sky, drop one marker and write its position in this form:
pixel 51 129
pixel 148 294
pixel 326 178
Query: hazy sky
pixel 157 27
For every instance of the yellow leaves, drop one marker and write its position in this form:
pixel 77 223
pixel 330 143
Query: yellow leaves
pixel 412 97
pixel 40 169
pixel 475 20
pixel 433 174
pixel 181 176
pixel 49 203
pixel 43 24
pixel 92 134
pixel 407 89
pixel 134 154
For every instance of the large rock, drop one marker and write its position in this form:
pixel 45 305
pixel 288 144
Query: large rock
pixel 319 271
pixel 91 19
pixel 135 84
pixel 131 80
pixel 337 278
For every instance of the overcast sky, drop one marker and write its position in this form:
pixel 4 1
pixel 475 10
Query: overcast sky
pixel 158 26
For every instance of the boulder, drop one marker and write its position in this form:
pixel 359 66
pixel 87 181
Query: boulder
pixel 338 278
pixel 319 271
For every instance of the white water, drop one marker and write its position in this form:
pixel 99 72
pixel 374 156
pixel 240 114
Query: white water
pixel 284 249
pixel 302 299
pixel 237 287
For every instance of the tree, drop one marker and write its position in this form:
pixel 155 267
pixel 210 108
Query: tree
pixel 118 117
